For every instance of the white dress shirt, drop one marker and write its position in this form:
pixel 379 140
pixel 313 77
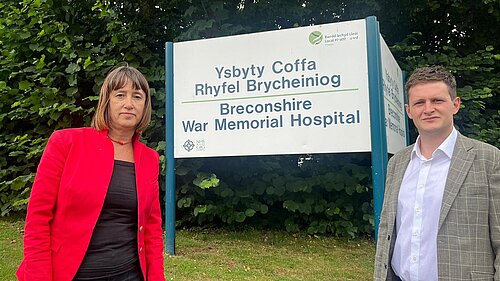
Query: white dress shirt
pixel 417 217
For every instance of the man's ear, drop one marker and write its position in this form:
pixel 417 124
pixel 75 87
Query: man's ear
pixel 456 105
pixel 408 111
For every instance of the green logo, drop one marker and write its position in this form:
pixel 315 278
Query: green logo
pixel 315 37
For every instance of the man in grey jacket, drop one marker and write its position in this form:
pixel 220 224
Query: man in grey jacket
pixel 441 214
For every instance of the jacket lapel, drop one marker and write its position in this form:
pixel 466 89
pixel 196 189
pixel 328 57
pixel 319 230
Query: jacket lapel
pixel 137 153
pixel 399 171
pixel 461 162
pixel 138 171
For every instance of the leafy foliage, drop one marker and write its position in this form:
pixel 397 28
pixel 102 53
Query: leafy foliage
pixel 478 82
pixel 458 35
pixel 53 60
pixel 56 53
pixel 325 194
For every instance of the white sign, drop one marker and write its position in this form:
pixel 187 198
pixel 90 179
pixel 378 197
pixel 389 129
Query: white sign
pixel 301 90
pixel 393 100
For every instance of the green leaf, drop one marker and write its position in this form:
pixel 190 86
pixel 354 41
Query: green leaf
pixel 200 209
pixel 291 226
pixel 87 62
pixel 312 229
pixel 360 188
pixel 71 91
pixel 305 208
pixel 20 182
pixel 205 181
pixel 240 217
pixel 181 171
pixel 319 208
pixel 55 115
pixel 226 192
pixel 184 202
pixel 41 63
pixel 72 68
pixel 259 188
pixel 249 212
pixel 350 189
pixel 35 47
pixel 279 190
pixel 270 190
pixel 24 34
pixel 290 205
pixel 333 211
pixel 25 85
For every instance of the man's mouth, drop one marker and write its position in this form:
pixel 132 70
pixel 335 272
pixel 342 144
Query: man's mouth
pixel 432 118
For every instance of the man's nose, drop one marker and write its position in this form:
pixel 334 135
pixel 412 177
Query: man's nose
pixel 429 107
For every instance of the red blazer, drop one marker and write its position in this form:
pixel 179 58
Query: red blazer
pixel 67 196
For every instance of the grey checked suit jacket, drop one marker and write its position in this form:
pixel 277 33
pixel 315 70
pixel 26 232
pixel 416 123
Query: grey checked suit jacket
pixel 468 241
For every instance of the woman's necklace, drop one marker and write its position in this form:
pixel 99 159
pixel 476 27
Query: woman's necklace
pixel 119 142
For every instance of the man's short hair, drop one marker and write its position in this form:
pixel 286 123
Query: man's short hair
pixel 428 74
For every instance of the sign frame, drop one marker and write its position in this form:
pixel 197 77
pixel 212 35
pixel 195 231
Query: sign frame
pixel 377 127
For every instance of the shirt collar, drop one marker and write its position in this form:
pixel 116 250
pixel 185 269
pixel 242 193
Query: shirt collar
pixel 447 146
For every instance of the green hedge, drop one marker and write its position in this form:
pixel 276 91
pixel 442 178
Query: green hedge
pixel 324 193
pixel 54 55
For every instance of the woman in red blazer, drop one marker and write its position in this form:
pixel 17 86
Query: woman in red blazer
pixel 94 211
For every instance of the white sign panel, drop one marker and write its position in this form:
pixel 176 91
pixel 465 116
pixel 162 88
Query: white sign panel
pixel 393 100
pixel 301 90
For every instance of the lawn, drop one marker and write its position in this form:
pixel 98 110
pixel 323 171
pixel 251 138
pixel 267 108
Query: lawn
pixel 237 255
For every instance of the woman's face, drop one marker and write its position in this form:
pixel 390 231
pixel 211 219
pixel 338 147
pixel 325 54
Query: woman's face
pixel 126 107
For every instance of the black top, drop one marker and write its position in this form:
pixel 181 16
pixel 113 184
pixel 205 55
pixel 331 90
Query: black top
pixel 113 246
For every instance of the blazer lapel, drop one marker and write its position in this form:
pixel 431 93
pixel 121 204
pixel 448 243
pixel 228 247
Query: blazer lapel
pixel 399 171
pixel 461 161
pixel 138 171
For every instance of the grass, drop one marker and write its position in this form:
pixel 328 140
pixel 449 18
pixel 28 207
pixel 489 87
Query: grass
pixel 11 246
pixel 237 255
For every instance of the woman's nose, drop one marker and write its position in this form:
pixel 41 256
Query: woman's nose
pixel 128 102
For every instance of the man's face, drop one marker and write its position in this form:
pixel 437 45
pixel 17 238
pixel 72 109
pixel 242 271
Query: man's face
pixel 431 108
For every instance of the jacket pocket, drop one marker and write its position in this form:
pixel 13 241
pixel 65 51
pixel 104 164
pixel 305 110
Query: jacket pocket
pixel 481 276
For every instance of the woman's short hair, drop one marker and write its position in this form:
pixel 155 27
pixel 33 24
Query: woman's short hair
pixel 115 80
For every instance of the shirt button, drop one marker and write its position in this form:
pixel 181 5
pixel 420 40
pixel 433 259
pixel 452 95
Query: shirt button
pixel 140 250
pixel 414 259
pixel 140 228
pixel 420 186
